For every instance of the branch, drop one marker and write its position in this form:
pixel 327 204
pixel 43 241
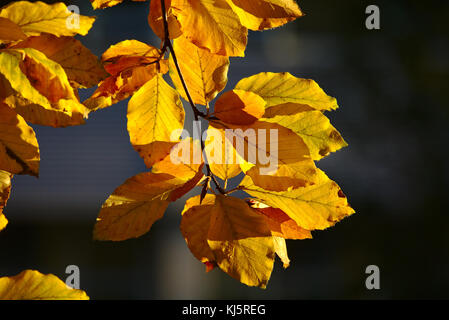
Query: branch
pixel 196 112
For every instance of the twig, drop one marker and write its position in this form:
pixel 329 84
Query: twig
pixel 196 112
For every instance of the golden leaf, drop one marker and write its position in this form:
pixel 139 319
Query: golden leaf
pixel 19 150
pixel 312 126
pixel 36 18
pixel 204 73
pixel 265 14
pixel 9 31
pixel 211 24
pixel 33 285
pixel 279 88
pixel 5 190
pixel 81 66
pixel 156 21
pixel 239 107
pixel 317 206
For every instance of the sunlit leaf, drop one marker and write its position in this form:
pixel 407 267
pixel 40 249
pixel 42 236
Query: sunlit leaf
pixel 279 88
pixel 81 66
pixel 156 21
pixel 280 224
pixel 102 4
pixel 38 89
pixel 265 14
pixel 205 74
pixel 211 24
pixel 33 285
pixel 36 18
pixel 241 241
pixel 5 190
pixel 19 150
pixel 221 155
pixel 138 203
pixel 132 64
pixel 318 206
pixel 239 107
pixel 9 31
pixel 312 126
pixel 154 112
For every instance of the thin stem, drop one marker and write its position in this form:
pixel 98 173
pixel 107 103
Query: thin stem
pixel 196 112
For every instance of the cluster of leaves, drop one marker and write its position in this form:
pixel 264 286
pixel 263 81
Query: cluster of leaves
pixel 240 236
pixel 42 66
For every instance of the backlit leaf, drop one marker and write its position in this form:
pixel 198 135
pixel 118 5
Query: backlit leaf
pixel 154 112
pixel 205 74
pixel 5 190
pixel 211 24
pixel 81 66
pixel 265 14
pixel 241 241
pixel 279 88
pixel 38 17
pixel 19 150
pixel 102 4
pixel 38 89
pixel 265 145
pixel 138 203
pixel 221 155
pixel 33 285
pixel 195 226
pixel 9 31
pixel 318 206
pixel 156 21
pixel 280 224
pixel 239 107
pixel 312 126
pixel 131 63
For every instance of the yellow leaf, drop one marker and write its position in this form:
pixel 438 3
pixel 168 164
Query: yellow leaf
pixel 280 224
pixel 154 112
pixel 239 107
pixel 38 17
pixel 19 150
pixel 81 66
pixel 131 64
pixel 265 14
pixel 211 24
pixel 195 226
pixel 102 4
pixel 279 88
pixel 156 21
pixel 265 145
pixel 280 248
pixel 33 285
pixel 205 74
pixel 318 206
pixel 221 155
pixel 9 31
pixel 128 54
pixel 5 189
pixel 312 126
pixel 241 241
pixel 183 160
pixel 155 151
pixel 287 176
pixel 138 203
pixel 38 89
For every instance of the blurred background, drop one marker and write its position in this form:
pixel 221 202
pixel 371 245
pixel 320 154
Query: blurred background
pixel 391 85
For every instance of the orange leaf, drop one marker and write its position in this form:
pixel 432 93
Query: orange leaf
pixel 239 107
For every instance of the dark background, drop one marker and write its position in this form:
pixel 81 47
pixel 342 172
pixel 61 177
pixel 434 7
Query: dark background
pixel 392 88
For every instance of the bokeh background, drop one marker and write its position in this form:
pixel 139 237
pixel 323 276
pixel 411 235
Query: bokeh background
pixel 392 88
